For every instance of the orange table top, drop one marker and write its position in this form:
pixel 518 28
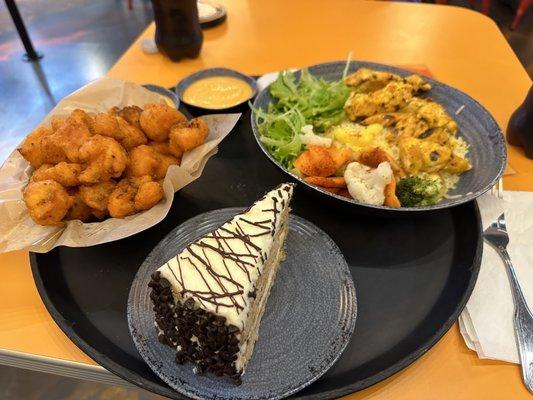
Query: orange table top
pixel 460 47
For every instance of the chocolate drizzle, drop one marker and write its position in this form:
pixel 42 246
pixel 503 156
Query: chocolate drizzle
pixel 222 289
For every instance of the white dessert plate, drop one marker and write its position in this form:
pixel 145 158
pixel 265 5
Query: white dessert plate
pixel 308 321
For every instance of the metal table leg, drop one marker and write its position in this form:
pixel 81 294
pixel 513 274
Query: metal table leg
pixel 31 54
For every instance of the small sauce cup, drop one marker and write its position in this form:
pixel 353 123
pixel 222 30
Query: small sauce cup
pixel 228 87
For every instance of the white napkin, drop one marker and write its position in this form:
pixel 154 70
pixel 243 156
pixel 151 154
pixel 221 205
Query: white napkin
pixel 487 320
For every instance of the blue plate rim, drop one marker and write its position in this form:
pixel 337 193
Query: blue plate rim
pixel 439 206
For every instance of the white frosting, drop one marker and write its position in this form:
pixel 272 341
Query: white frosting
pixel 221 283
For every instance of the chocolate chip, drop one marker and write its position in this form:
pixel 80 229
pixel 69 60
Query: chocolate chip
pixel 189 303
pixel 232 329
pixel 200 368
pixel 229 370
pixel 181 357
pixel 237 379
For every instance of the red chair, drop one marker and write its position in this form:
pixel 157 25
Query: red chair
pixel 520 11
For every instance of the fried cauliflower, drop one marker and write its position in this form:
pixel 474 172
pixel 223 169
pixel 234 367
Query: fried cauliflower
pixel 48 202
pixel 134 194
pixel 32 149
pixel 105 159
pixel 366 184
pixel 157 119
pixel 97 195
pixel 187 135
pixel 78 160
pixel 66 174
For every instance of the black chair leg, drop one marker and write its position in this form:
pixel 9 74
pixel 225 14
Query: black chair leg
pixel 31 54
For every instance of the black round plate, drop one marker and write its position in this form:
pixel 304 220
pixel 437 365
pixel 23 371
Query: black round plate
pixel 487 151
pixel 413 273
pixel 308 321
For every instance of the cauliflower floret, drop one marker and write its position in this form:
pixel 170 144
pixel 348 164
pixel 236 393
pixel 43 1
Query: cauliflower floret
pixel 309 138
pixel 366 184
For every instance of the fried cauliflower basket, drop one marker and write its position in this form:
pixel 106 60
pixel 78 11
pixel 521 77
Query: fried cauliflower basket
pixel 103 165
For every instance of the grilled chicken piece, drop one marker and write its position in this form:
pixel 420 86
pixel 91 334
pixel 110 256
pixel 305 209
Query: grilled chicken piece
pixel 366 80
pixel 437 117
pixel 418 155
pixel 392 97
pixel 411 126
pixel 420 118
pixel 433 113
pixel 437 135
pixel 418 83
pixel 385 119
pixel 457 165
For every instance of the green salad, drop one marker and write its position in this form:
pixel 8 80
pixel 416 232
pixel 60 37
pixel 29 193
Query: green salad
pixel 307 101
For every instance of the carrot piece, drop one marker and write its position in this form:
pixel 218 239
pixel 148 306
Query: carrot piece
pixel 390 195
pixel 344 192
pixel 331 190
pixel 316 161
pixel 329 182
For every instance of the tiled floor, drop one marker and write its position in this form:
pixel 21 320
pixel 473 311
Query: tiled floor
pixel 77 50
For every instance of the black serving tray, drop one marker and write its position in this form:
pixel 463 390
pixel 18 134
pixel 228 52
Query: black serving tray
pixel 413 273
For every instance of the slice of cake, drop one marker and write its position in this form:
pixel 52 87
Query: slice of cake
pixel 209 299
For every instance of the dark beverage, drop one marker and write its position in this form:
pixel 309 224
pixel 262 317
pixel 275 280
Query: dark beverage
pixel 178 33
pixel 520 127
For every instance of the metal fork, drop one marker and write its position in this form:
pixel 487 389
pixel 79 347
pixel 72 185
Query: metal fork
pixel 496 235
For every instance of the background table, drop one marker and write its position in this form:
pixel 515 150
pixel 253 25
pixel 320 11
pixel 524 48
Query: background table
pixel 460 47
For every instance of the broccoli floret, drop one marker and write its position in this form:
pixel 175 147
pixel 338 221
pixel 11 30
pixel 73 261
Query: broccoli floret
pixel 414 191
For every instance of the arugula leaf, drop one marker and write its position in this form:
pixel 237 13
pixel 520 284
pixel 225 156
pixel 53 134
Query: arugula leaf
pixel 310 101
